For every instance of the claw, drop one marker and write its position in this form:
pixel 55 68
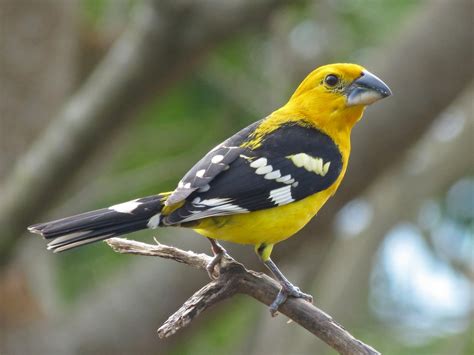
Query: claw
pixel 288 290
pixel 212 271
pixel 219 253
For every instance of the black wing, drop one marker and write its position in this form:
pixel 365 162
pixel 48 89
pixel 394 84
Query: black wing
pixel 211 165
pixel 292 163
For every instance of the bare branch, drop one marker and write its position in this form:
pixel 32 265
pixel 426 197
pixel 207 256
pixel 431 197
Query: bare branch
pixel 207 296
pixel 235 279
pixel 126 246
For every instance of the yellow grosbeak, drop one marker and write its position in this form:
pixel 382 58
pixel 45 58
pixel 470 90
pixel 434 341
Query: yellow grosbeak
pixel 260 186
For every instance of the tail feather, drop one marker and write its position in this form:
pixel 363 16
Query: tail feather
pixel 89 227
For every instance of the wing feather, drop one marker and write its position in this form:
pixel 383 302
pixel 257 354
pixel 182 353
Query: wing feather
pixel 211 165
pixel 286 168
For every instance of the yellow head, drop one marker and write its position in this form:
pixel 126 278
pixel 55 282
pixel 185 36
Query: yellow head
pixel 334 96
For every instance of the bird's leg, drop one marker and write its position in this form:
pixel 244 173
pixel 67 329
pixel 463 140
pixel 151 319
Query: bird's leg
pixel 287 288
pixel 218 252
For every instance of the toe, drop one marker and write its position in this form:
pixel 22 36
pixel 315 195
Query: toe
pixel 297 293
pixel 279 300
pixel 273 310
pixel 212 271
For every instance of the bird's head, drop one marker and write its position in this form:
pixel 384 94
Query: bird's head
pixel 337 94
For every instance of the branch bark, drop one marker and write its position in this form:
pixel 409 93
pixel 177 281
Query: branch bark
pixel 235 279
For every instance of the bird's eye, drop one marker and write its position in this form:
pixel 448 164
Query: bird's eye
pixel 331 80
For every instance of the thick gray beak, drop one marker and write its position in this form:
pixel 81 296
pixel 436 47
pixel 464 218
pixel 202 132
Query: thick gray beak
pixel 366 90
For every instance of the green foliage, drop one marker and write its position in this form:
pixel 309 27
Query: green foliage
pixel 370 21
pixel 95 11
pixel 223 334
pixel 82 269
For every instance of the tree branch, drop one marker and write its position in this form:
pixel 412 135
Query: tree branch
pixel 235 279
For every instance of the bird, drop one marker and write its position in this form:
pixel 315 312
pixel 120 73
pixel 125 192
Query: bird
pixel 260 186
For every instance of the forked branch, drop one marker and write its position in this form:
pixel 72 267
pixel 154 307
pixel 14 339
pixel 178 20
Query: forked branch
pixel 235 279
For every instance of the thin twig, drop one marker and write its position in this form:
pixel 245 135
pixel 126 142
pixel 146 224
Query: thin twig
pixel 235 279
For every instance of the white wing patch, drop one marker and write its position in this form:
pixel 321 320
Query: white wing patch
pixel 213 202
pixel 218 207
pixel 264 170
pixel 199 177
pixel 315 165
pixel 154 221
pixel 227 208
pixel 259 163
pixel 200 173
pixel 204 188
pixel 287 179
pixel 281 196
pixel 275 174
pixel 261 168
pixel 216 159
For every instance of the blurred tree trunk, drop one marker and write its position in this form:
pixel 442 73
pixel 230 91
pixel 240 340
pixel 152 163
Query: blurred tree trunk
pixel 38 52
pixel 38 42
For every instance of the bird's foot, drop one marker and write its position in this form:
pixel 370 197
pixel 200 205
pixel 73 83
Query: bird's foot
pixel 219 253
pixel 288 290
pixel 211 268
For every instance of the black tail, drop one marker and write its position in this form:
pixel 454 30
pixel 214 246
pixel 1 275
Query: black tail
pixel 89 227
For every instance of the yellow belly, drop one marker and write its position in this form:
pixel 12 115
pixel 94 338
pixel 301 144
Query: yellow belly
pixel 268 226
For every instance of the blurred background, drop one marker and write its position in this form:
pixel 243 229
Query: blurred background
pixel 107 100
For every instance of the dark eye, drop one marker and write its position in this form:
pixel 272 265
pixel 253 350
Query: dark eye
pixel 331 80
